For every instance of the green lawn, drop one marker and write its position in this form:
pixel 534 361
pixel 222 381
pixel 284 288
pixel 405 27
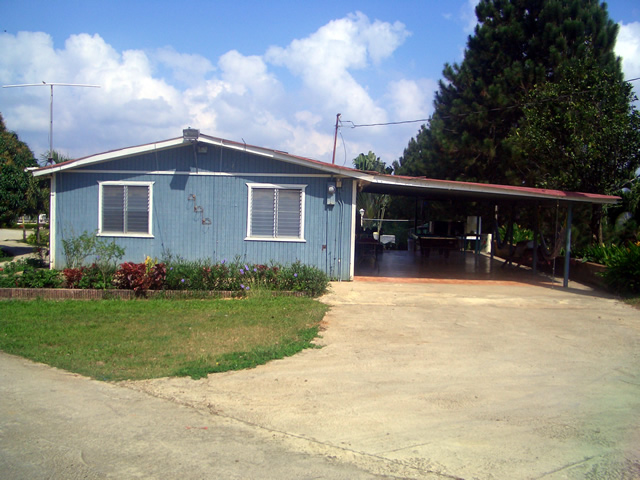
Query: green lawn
pixel 137 339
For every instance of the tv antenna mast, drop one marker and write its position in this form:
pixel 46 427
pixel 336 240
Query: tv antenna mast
pixel 46 84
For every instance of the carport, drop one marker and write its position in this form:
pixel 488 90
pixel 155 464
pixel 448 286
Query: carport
pixel 496 195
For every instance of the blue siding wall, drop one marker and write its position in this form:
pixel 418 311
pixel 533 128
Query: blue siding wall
pixel 218 180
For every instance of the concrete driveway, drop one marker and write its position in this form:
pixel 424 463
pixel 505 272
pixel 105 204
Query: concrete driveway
pixel 436 380
pixel 11 242
pixel 484 380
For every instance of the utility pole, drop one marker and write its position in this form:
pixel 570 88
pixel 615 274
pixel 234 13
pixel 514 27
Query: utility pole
pixel 335 139
pixel 45 84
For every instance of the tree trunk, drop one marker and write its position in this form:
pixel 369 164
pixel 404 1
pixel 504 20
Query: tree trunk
pixel 596 223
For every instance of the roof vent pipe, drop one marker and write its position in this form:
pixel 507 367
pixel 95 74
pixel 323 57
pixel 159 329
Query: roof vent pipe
pixel 190 134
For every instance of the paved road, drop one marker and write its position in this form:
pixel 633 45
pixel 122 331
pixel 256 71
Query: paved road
pixel 11 242
pixel 57 425
pixel 416 381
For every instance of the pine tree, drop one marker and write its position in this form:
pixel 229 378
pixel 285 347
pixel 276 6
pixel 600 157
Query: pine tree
pixel 517 45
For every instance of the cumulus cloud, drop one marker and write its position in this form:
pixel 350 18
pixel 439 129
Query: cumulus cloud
pixel 190 69
pixel 285 99
pixel 411 99
pixel 628 47
pixel 325 59
pixel 468 15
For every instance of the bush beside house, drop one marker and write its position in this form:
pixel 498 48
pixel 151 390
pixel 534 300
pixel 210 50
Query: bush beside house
pixel 235 277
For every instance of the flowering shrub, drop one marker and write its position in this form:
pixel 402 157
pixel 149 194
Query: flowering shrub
pixel 235 276
pixel 243 277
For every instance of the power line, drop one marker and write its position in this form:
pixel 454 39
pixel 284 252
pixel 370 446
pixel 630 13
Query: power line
pixel 402 122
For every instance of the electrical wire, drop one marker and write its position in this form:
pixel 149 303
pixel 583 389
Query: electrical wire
pixel 403 122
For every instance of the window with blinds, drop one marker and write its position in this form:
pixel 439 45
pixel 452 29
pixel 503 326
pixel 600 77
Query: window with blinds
pixel 276 212
pixel 125 208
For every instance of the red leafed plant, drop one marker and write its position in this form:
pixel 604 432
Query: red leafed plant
pixel 72 276
pixel 140 277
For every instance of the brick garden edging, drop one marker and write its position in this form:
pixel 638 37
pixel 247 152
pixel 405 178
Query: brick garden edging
pixel 90 294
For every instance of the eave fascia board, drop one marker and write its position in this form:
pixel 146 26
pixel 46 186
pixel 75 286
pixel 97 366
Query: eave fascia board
pixel 504 191
pixel 108 156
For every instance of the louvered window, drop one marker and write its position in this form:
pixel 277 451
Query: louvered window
pixel 276 212
pixel 125 208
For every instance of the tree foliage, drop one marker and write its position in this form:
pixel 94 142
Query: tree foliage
pixel 517 45
pixel 375 205
pixel 15 183
pixel 580 133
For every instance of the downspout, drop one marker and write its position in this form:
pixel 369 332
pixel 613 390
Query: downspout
pixel 340 230
pixel 53 218
pixel 352 248
pixel 326 241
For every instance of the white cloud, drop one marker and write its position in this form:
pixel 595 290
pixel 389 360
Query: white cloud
pixel 468 15
pixel 189 69
pixel 628 47
pixel 325 59
pixel 151 95
pixel 411 99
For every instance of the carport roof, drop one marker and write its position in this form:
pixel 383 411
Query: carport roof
pixel 449 189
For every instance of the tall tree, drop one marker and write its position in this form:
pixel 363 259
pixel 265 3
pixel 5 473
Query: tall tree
pixel 579 133
pixel 517 45
pixel 15 157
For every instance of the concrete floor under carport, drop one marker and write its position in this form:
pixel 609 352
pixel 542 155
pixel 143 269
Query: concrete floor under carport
pixel 503 200
pixel 458 267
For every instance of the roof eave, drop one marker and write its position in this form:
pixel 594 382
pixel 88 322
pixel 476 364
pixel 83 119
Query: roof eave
pixel 504 192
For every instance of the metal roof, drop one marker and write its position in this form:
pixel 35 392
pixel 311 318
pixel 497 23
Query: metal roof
pixel 369 181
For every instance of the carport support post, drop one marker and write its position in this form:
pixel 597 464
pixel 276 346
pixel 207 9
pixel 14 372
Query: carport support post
pixel 567 248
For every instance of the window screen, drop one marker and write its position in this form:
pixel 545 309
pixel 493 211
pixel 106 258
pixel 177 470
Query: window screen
pixel 276 212
pixel 125 209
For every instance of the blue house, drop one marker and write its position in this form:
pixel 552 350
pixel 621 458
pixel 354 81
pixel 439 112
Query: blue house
pixel 205 198
pixel 200 197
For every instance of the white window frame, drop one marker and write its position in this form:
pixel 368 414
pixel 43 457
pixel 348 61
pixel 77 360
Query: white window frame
pixel 254 186
pixel 149 233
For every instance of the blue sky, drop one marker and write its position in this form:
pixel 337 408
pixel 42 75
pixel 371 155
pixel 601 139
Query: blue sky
pixel 273 74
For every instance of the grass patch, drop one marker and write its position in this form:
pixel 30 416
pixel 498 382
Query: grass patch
pixel 121 340
pixel 634 301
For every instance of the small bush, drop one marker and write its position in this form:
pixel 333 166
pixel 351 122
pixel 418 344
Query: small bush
pixel 9 273
pixel 303 278
pixel 32 238
pixel 595 253
pixel 38 278
pixel 623 268
pixel 4 256
pixel 72 277
pixel 88 277
pixel 77 249
pixel 239 276
pixel 185 275
pixel 140 277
